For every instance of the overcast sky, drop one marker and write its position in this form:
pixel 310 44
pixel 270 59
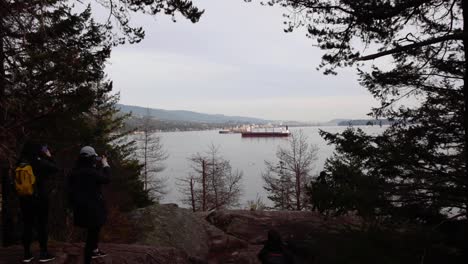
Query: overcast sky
pixel 236 61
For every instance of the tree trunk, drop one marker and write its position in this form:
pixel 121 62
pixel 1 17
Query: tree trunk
pixel 7 222
pixel 2 68
pixel 2 59
pixel 465 91
pixel 298 191
pixel 214 184
pixel 146 159
pixel 2 80
pixel 192 194
pixel 203 185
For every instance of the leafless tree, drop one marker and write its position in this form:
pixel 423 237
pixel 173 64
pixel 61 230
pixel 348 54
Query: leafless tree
pixel 212 183
pixel 286 180
pixel 256 205
pixel 151 153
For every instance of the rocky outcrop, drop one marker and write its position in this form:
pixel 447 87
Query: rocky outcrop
pixel 298 230
pixel 169 225
pixel 252 226
pixel 229 236
pixel 68 253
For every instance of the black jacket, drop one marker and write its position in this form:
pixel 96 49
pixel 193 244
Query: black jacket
pixel 43 168
pixel 87 201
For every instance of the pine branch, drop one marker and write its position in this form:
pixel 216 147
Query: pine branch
pixel 457 36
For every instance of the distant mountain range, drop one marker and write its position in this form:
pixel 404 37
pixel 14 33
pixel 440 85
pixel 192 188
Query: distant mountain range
pixel 180 116
pixel 187 116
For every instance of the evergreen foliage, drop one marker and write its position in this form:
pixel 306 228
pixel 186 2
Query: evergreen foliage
pixel 417 169
pixel 416 172
pixel 54 70
pixel 120 14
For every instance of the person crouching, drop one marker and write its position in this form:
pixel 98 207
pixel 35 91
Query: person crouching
pixel 86 198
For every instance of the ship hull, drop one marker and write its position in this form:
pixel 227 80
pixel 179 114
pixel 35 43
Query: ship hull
pixel 229 132
pixel 264 134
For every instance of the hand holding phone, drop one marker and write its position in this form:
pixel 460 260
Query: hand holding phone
pixel 104 161
pixel 46 151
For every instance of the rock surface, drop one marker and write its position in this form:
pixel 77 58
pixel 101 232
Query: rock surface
pixel 72 253
pixel 252 226
pixel 169 225
pixel 227 236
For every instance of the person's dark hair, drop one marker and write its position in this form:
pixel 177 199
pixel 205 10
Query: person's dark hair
pixel 30 151
pixel 274 239
pixel 86 161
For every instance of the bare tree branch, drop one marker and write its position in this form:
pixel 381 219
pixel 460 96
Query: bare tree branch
pixel 457 36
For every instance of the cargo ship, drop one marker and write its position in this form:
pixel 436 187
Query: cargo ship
pixel 266 133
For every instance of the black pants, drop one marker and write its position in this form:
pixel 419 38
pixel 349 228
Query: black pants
pixel 35 213
pixel 91 243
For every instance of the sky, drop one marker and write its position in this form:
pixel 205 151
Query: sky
pixel 236 61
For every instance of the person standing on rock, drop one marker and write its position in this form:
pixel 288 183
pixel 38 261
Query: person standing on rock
pixel 86 198
pixel 274 251
pixel 35 167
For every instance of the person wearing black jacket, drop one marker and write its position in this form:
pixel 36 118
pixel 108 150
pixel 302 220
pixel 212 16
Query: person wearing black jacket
pixel 274 251
pixel 35 208
pixel 86 198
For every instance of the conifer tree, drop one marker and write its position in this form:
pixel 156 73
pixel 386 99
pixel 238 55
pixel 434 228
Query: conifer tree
pixel 421 160
pixel 53 62
pixel 48 51
pixel 56 90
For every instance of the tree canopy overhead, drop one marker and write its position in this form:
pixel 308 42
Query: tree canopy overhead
pixel 424 37
pixel 338 26
pixel 120 12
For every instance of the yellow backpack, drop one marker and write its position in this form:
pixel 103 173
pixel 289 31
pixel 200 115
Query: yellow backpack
pixel 24 180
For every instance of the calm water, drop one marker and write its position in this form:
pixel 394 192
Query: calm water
pixel 246 154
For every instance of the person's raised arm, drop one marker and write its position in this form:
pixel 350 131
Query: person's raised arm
pixel 104 174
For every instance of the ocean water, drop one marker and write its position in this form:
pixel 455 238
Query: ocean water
pixel 245 154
